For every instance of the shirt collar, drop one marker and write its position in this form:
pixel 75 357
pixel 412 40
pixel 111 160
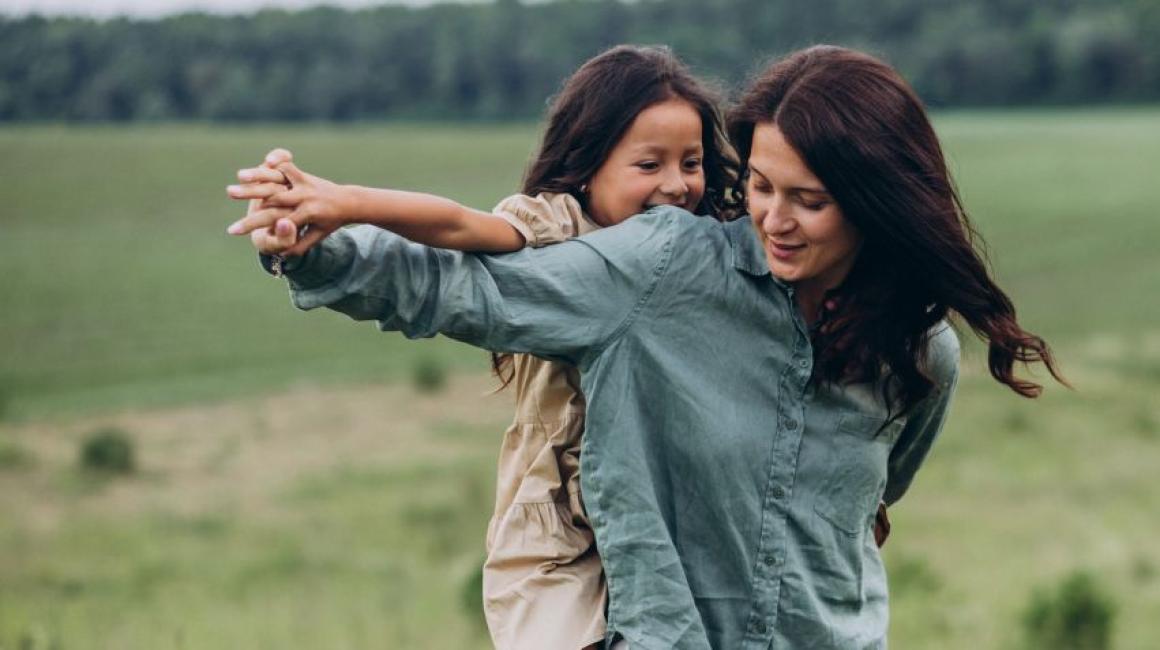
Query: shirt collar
pixel 748 254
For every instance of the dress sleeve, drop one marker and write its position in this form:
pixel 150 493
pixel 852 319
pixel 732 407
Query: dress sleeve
pixel 543 219
pixel 924 425
pixel 564 302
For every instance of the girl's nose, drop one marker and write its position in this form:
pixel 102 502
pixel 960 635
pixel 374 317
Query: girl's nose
pixel 674 184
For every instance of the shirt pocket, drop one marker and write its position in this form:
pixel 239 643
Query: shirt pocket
pixel 859 448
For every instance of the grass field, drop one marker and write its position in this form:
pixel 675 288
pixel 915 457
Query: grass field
pixel 295 491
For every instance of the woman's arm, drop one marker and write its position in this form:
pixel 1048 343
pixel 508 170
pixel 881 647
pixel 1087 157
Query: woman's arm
pixel 286 192
pixel 924 425
pixel 567 301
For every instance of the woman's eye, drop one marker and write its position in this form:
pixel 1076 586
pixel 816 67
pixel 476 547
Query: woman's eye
pixel 815 206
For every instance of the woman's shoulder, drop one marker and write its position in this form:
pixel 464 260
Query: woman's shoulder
pixel 943 352
pixel 661 228
pixel 678 220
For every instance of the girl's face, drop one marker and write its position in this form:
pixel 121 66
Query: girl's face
pixel 807 241
pixel 656 162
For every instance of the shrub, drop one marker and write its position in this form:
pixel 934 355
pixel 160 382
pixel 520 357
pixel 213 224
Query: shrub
pixel 471 597
pixel 12 455
pixel 108 451
pixel 1143 569
pixel 912 576
pixel 1146 424
pixel 1075 615
pixel 428 375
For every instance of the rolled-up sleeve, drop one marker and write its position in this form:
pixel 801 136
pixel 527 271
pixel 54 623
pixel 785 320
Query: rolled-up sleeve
pixel 566 301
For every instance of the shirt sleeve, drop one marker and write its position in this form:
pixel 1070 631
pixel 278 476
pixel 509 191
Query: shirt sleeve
pixel 924 425
pixel 543 219
pixel 564 302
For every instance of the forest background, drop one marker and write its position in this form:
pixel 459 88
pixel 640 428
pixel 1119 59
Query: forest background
pixel 500 60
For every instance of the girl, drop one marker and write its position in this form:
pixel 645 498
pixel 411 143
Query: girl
pixel 631 129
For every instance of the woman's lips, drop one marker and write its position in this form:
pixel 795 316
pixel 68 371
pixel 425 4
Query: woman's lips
pixel 783 251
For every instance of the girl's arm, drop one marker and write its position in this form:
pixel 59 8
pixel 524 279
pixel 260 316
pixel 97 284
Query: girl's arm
pixel 428 219
pixel 326 206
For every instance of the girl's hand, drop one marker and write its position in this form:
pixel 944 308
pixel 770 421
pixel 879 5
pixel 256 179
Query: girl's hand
pixel 310 201
pixel 279 238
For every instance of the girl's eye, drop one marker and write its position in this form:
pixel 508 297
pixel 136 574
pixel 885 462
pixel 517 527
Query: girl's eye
pixel 648 165
pixel 693 164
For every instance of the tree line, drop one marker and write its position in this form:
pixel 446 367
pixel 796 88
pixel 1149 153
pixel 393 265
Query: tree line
pixel 503 59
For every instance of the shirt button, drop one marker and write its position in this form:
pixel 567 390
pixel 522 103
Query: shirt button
pixel 778 492
pixel 804 363
pixel 791 424
pixel 769 560
pixel 760 627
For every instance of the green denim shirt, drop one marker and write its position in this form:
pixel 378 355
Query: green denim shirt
pixel 732 497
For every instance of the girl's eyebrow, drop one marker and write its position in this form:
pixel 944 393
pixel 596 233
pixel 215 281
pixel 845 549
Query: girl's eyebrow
pixel 792 190
pixel 649 147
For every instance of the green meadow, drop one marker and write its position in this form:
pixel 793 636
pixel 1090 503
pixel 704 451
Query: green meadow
pixel 297 483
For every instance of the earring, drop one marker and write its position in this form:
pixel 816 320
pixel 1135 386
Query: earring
pixel 584 188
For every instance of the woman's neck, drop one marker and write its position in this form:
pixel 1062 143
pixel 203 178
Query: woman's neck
pixel 809 303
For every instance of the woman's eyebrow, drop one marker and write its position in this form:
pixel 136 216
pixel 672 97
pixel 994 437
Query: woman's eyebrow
pixel 809 190
pixel 792 190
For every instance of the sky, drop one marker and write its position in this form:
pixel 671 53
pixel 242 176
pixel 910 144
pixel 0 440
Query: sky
pixel 154 8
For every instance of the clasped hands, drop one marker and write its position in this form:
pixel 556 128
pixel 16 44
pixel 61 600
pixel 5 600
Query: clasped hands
pixel 284 203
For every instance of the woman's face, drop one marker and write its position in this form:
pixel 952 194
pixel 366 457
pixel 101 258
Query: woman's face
pixel 806 239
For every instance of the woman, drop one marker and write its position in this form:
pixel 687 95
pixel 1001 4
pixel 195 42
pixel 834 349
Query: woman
pixel 755 387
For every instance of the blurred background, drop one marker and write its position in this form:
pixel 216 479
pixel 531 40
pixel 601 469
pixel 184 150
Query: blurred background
pixel 188 462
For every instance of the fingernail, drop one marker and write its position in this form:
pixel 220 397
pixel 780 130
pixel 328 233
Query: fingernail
pixel 245 175
pixel 235 228
pixel 234 189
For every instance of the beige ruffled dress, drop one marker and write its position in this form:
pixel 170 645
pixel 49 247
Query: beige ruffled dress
pixel 543 584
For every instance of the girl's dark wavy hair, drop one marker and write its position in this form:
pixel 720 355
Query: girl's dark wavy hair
pixel 591 113
pixel 865 134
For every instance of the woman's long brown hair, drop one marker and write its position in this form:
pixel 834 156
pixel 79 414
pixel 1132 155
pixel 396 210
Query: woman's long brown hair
pixel 866 136
pixel 592 111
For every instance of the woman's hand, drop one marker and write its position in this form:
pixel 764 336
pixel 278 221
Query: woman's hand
pixel 284 203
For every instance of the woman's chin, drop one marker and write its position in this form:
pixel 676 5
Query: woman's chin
pixel 781 270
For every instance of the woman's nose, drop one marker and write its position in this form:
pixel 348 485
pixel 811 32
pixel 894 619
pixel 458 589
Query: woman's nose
pixel 776 219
